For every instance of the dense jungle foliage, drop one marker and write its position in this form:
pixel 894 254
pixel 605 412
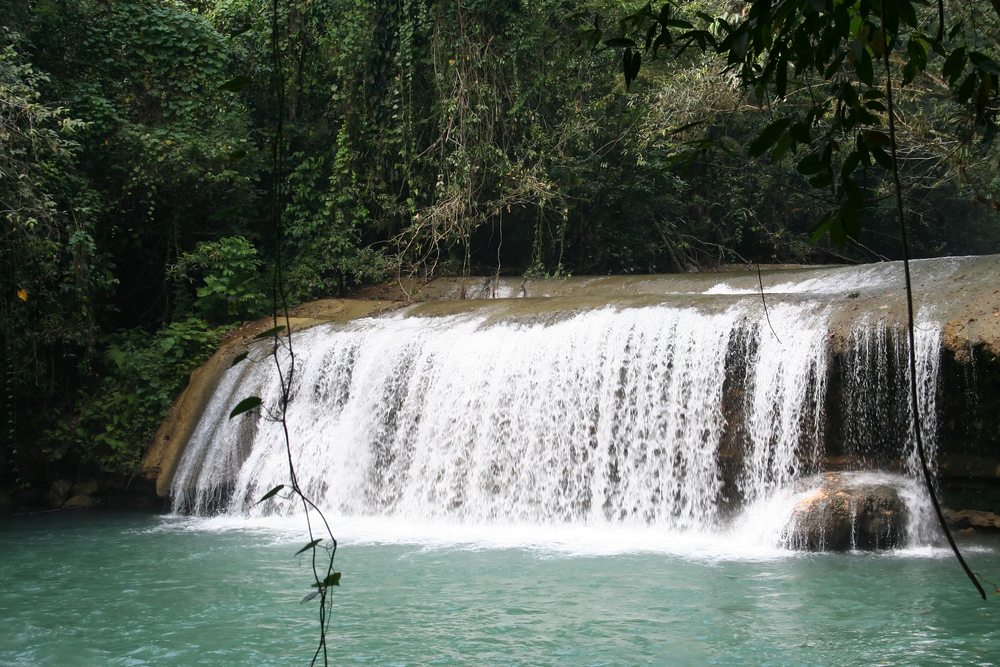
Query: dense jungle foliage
pixel 420 139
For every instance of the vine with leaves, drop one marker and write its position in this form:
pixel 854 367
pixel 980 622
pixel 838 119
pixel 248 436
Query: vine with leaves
pixel 322 544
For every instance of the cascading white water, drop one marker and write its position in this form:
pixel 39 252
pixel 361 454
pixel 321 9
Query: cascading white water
pixel 632 413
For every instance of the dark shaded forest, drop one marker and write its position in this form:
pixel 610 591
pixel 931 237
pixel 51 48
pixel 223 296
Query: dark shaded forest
pixel 418 139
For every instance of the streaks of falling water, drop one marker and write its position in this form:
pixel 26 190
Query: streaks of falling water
pixel 612 415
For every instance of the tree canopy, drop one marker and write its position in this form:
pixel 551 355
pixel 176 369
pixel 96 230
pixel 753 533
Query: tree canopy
pixel 426 138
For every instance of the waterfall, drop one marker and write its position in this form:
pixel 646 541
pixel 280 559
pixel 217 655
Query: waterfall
pixel 681 413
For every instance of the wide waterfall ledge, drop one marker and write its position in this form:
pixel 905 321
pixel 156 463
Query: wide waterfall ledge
pixel 676 404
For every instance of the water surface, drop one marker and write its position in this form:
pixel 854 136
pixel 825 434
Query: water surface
pixel 103 588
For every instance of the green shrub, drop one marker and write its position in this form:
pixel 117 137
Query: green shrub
pixel 145 372
pixel 230 271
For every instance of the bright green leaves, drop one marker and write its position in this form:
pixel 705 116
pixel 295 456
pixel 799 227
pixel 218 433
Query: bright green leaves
pixel 230 271
pixel 916 48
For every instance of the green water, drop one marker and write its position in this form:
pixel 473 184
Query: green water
pixel 102 588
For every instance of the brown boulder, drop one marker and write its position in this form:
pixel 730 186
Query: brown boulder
pixel 59 492
pixel 81 501
pixel 849 511
pixel 88 487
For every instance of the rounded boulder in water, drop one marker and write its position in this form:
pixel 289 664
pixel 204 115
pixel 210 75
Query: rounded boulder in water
pixel 846 511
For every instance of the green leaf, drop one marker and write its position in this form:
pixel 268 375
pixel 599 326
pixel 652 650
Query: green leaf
pixel 916 49
pixel 240 279
pixel 882 158
pixel 822 227
pixel 874 137
pixel 331 580
pixel 851 163
pixel 741 42
pixel 855 196
pixel 983 62
pixel 308 546
pixel 821 180
pixel 768 137
pixel 618 42
pixel 811 164
pixel 857 45
pixel 631 62
pixel 834 67
pixel 236 84
pixel 837 232
pixel 968 88
pixel 954 65
pixel 270 494
pixel 892 16
pixel 781 78
pixel 865 69
pixel 309 597
pixel 244 405
pixel 906 12
pixel 782 147
pixel 800 133
pixel 272 332
pixel 238 358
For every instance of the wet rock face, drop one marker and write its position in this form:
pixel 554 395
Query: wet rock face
pixel 976 520
pixel 849 511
